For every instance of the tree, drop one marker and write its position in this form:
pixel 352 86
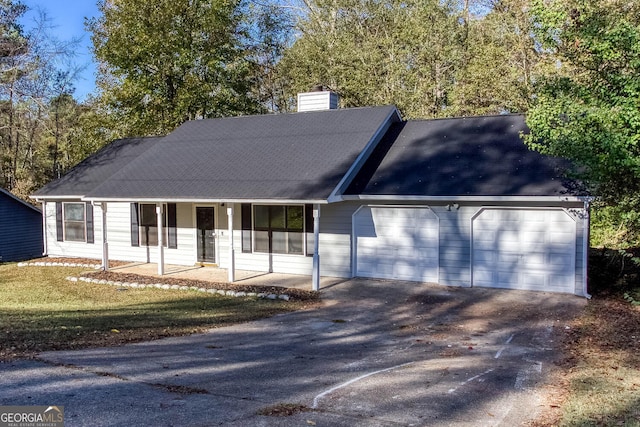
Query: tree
pixel 501 60
pixel 375 52
pixel 589 111
pixel 163 62
pixel 34 69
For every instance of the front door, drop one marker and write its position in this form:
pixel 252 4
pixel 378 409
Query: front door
pixel 205 234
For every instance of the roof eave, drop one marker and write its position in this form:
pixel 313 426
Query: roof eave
pixel 202 200
pixel 461 198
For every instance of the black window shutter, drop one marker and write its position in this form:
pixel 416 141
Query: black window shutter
pixel 59 219
pixel 172 223
pixel 135 230
pixel 308 225
pixel 245 213
pixel 89 215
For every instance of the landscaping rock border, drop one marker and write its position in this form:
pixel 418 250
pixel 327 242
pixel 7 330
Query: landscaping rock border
pixel 58 264
pixel 167 286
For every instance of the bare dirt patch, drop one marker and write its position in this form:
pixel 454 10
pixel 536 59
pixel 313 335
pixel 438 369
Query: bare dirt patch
pixel 283 410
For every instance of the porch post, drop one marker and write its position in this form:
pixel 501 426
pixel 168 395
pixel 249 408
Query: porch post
pixel 160 239
pixel 105 244
pixel 232 260
pixel 315 274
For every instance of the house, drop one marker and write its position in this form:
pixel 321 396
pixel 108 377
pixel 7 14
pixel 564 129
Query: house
pixel 331 192
pixel 20 229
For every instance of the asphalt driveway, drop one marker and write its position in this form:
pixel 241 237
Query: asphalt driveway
pixel 377 353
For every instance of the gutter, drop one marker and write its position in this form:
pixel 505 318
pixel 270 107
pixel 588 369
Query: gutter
pixel 174 200
pixel 397 198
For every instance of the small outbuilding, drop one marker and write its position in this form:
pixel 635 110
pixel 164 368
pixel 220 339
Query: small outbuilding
pixel 20 229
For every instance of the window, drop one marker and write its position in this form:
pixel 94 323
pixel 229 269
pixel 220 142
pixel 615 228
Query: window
pixel 144 230
pixel 149 225
pixel 278 229
pixel 74 222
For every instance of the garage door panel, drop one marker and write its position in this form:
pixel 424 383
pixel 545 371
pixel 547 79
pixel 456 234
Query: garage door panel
pixel 396 243
pixel 535 252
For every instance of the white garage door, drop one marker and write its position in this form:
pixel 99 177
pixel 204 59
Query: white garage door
pixel 396 243
pixel 524 249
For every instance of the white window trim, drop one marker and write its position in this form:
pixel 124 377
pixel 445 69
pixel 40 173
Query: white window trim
pixel 64 221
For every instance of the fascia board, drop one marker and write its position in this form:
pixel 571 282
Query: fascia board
pixel 364 155
pixel 388 198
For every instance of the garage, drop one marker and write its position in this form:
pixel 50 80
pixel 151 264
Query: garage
pixel 529 249
pixel 396 243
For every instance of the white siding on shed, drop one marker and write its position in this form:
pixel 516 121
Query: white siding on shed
pixel 529 249
pixel 396 243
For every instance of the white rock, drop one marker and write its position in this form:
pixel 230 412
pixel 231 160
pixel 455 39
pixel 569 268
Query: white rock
pixel 241 294
pixel 221 292
pixel 175 286
pixel 272 296
pixel 166 286
pixel 284 297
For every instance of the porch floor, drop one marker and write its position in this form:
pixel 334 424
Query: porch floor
pixel 220 275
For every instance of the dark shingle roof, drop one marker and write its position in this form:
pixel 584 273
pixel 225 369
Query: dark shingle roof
pixel 97 168
pixel 476 156
pixel 299 156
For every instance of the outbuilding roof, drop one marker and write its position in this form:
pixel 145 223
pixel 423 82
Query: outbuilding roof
pixel 11 196
pixel 473 156
pixel 297 156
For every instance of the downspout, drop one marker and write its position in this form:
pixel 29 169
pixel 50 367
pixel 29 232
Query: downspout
pixel 585 245
pixel 45 247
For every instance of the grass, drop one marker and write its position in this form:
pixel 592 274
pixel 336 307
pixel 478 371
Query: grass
pixel 40 311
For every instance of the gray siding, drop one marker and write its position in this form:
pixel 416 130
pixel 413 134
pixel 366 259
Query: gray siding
pixel 20 230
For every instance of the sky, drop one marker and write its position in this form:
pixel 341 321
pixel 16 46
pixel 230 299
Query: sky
pixel 67 19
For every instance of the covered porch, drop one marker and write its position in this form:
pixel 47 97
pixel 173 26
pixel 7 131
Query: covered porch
pixel 220 275
pixel 191 234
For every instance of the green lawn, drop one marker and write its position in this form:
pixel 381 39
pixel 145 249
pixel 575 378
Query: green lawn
pixel 40 310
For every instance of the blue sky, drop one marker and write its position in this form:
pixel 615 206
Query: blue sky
pixel 67 18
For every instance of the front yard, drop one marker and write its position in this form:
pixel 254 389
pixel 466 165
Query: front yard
pixel 40 310
pixel 597 383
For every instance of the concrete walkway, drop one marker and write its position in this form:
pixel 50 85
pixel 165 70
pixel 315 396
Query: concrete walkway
pixel 220 275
